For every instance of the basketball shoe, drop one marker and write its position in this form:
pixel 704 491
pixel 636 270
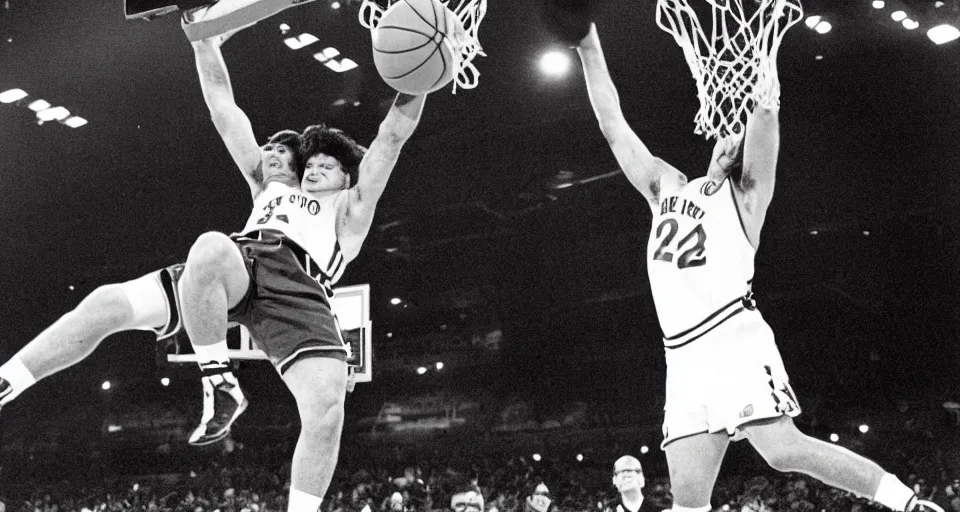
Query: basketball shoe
pixel 223 403
pixel 919 505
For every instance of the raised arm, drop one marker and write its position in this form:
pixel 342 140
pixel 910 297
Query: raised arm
pixel 643 170
pixel 761 145
pixel 356 213
pixel 231 122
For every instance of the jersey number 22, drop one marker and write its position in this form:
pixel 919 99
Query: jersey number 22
pixel 692 257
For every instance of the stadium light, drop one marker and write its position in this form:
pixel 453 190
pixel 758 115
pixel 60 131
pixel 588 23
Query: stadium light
pixel 579 457
pixel 555 63
pixel 301 41
pixel 536 457
pixel 421 370
pixel 39 105
pixel 823 27
pixel 938 4
pixel 834 438
pixel 898 16
pixel 864 428
pixel 879 4
pixel 395 301
pixel 439 365
pixel 812 21
pixel 165 381
pixel 12 95
pixel 644 449
pixel 106 385
pixel 284 28
pixel 75 122
pixel 910 24
pixel 942 34
pixel 335 5
pixel 53 114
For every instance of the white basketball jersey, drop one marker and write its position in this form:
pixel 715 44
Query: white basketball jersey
pixel 699 259
pixel 310 223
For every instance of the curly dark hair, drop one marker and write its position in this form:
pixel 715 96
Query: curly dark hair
pixel 292 140
pixel 321 138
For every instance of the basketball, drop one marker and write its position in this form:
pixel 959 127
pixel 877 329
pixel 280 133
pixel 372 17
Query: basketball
pixel 413 47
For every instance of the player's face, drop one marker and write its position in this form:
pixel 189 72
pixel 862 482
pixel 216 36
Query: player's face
pixel 627 475
pixel 324 173
pixel 725 154
pixel 277 161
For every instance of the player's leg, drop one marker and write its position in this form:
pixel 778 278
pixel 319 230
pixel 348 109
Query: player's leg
pixel 214 280
pixel 694 463
pixel 787 449
pixel 137 304
pixel 319 386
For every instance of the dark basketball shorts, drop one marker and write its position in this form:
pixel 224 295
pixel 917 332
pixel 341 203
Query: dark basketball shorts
pixel 285 309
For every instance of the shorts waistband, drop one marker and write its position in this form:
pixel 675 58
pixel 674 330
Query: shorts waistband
pixel 308 264
pixel 711 322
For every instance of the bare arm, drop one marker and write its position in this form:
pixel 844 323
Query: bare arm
pixel 231 122
pixel 356 213
pixel 761 146
pixel 639 165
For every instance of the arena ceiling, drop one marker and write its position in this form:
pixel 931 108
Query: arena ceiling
pixel 869 133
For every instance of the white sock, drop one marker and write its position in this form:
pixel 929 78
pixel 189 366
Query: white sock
pixel 892 493
pixel 687 509
pixel 18 376
pixel 213 356
pixel 303 502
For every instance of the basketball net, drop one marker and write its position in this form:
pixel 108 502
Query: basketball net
pixel 469 12
pixel 736 66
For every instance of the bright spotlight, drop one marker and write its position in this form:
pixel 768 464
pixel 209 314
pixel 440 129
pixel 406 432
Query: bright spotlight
pixel 284 28
pixel 39 105
pixel 536 457
pixel 53 114
pixel 864 428
pixel 834 438
pixel 911 24
pixel 555 63
pixel 75 122
pixel 421 370
pixel 943 33
pixel 439 365
pixel 579 457
pixel 823 27
pixel 898 16
pixel 106 385
pixel 395 301
pixel 938 4
pixel 165 381
pixel 644 449
pixel 335 5
pixel 12 95
pixel 879 4
pixel 812 21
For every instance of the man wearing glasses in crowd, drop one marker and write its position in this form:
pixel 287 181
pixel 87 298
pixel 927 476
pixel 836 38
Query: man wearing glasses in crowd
pixel 629 481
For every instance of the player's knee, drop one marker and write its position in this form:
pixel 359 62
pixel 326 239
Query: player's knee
pixel 322 408
pixel 108 307
pixel 210 254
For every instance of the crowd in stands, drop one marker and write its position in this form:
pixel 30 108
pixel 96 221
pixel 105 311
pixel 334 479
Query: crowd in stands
pixel 252 475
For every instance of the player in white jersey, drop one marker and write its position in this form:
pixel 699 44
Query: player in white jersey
pixel 725 378
pixel 275 275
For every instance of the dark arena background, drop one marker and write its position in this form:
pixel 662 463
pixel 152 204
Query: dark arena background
pixel 514 334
